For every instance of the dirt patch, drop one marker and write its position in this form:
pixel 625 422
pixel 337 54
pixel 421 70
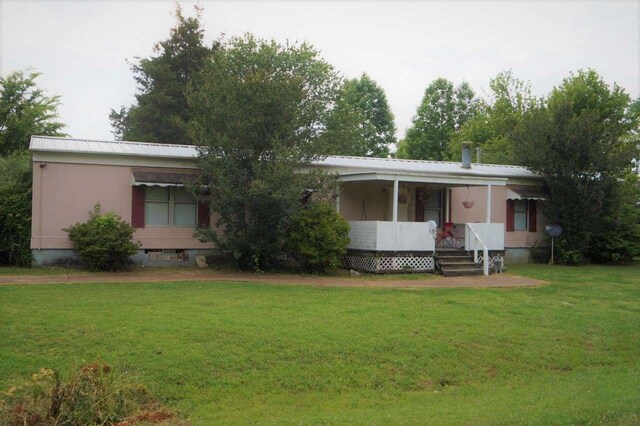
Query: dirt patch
pixel 499 281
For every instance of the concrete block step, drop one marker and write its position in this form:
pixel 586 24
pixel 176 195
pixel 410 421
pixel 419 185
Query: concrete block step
pixel 462 272
pixel 447 259
pixel 452 253
pixel 459 265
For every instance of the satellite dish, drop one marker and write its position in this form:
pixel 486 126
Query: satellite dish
pixel 553 231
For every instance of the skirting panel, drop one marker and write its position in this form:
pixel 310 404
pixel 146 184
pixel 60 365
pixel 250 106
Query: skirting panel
pixel 492 260
pixel 386 263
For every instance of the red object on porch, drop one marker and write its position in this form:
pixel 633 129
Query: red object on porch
pixel 446 234
pixel 510 216
pixel 533 207
pixel 137 206
pixel 204 215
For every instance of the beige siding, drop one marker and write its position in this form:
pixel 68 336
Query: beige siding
pixel 63 194
pixel 373 201
pixel 478 213
pixel 498 213
pixel 528 239
pixel 366 201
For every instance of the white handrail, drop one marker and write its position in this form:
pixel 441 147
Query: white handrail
pixel 485 250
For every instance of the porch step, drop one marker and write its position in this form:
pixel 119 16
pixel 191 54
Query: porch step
pixel 462 272
pixel 459 265
pixel 454 259
pixel 452 253
pixel 454 263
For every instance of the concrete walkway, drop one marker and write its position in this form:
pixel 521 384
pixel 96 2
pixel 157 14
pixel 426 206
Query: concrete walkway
pixel 500 280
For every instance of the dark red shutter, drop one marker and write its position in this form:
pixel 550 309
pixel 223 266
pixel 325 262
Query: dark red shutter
pixel 510 214
pixel 204 215
pixel 419 204
pixel 137 206
pixel 533 215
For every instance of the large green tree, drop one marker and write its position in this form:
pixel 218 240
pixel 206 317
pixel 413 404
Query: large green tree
pixel 15 208
pixel 25 110
pixel 443 110
pixel 580 140
pixel 497 117
pixel 259 115
pixel 161 112
pixel 361 124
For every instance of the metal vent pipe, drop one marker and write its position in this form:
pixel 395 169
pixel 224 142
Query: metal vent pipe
pixel 466 155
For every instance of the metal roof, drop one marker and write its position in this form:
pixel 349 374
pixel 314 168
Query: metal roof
pixel 365 164
pixel 425 167
pixel 86 146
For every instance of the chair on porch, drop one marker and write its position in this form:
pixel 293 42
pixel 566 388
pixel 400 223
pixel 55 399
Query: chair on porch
pixel 446 237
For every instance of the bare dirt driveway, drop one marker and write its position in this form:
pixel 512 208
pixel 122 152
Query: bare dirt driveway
pixel 388 281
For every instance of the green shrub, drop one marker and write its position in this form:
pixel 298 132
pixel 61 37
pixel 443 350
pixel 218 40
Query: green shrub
pixel 619 242
pixel 564 252
pixel 541 252
pixel 15 209
pixel 95 395
pixel 318 237
pixel 104 241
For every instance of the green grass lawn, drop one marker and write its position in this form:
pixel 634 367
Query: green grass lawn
pixel 49 270
pixel 564 353
pixel 60 270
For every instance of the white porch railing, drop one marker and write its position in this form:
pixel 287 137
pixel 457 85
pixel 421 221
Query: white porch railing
pixel 390 236
pixel 485 237
pixel 492 234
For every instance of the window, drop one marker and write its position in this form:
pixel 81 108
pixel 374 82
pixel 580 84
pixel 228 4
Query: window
pixel 520 215
pixel 156 209
pixel 173 205
pixel 185 208
pixel 433 206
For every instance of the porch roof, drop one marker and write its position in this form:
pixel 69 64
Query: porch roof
pixel 444 179
pixel 351 165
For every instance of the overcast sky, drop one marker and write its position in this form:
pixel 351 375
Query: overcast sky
pixel 81 47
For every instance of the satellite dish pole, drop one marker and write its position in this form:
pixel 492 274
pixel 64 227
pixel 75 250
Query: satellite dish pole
pixel 553 231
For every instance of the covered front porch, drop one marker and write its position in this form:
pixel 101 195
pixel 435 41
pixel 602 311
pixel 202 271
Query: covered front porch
pixel 399 222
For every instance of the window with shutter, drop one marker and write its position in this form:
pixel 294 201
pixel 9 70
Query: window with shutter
pixel 520 215
pixel 510 213
pixel 137 206
pixel 533 215
pixel 166 206
pixel 204 215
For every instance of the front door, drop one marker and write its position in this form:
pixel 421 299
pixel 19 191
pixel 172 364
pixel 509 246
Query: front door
pixel 433 206
pixel 429 205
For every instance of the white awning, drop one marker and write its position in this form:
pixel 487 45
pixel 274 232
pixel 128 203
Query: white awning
pixel 163 179
pixel 525 193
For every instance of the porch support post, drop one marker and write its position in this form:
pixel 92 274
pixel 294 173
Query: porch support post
pixel 488 203
pixel 338 198
pixel 395 199
pixel 447 203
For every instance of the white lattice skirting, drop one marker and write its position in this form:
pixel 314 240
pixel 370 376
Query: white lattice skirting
pixel 492 260
pixel 389 263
